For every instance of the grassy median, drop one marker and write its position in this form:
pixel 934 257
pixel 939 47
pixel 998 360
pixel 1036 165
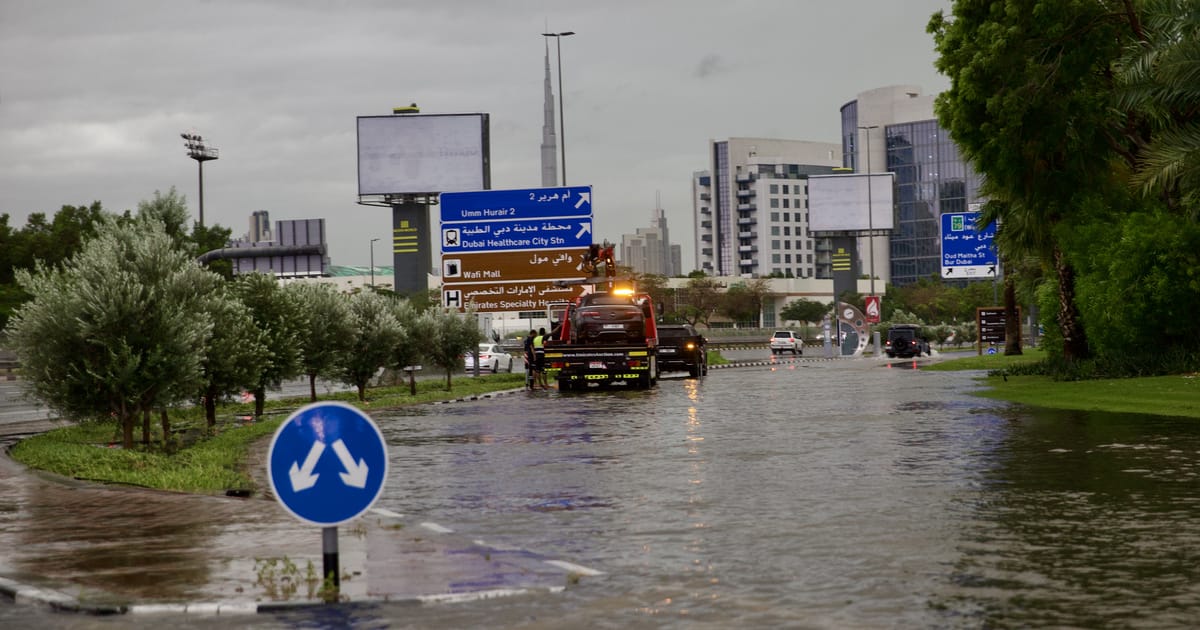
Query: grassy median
pixel 192 460
pixel 1174 395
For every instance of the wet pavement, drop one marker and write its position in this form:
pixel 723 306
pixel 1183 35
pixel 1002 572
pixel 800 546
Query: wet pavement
pixel 103 549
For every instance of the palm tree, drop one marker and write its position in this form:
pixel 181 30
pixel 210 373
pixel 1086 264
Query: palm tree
pixel 1160 79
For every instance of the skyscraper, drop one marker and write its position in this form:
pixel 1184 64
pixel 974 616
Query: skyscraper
pixel 549 135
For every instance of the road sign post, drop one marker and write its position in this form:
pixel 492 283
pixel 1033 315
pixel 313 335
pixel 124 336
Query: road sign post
pixel 327 465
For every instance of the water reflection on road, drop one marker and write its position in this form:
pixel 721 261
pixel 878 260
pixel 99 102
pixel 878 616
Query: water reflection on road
pixel 804 493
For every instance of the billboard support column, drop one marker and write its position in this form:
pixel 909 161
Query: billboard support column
pixel 412 255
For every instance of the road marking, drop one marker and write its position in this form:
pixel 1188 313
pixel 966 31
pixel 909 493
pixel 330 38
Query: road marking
pixel 574 568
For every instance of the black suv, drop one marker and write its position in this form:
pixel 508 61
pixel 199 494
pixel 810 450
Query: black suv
pixel 904 340
pixel 680 347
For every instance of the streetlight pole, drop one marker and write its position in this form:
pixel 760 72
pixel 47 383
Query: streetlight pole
pixel 562 124
pixel 870 208
pixel 373 263
pixel 201 152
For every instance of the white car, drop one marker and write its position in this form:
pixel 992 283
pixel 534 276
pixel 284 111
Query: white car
pixel 492 358
pixel 785 340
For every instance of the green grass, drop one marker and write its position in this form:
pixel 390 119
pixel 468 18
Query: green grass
pixel 212 464
pixel 999 361
pixel 1177 395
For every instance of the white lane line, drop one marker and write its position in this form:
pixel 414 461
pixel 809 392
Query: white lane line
pixel 434 527
pixel 387 513
pixel 455 598
pixel 574 568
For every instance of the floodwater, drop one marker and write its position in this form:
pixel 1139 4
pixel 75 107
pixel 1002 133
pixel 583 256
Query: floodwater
pixel 813 494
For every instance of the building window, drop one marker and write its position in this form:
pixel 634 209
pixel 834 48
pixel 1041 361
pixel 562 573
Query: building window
pixel 787 202
pixel 774 202
pixel 810 259
pixel 775 244
pixel 787 259
pixel 785 189
pixel 775 216
pixel 774 189
pixel 787 216
pixel 775 258
pixel 787 245
pixel 774 230
pixel 787 230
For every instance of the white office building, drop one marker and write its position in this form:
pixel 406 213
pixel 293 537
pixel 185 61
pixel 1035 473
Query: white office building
pixel 750 208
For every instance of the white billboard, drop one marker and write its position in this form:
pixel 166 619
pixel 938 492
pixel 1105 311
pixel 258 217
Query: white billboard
pixel 838 203
pixel 418 153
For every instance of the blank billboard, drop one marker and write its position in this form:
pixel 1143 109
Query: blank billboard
pixel 414 154
pixel 838 203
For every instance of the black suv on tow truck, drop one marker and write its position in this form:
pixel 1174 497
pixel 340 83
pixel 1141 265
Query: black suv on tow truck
pixel 680 347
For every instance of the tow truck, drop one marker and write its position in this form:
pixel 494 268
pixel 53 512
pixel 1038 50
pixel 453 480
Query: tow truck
pixel 605 336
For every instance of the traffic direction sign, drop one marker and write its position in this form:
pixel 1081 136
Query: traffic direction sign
pixel 509 205
pixel 327 463
pixel 967 249
pixel 503 235
pixel 510 266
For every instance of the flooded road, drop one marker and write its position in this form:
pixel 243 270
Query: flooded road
pixel 845 493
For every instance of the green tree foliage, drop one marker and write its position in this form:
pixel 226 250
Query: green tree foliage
pixel 743 302
pixel 326 330
pixel 236 352
pixel 280 319
pixel 803 310
pixel 1160 81
pixel 1030 106
pixel 455 335
pixel 116 329
pixel 702 297
pixel 375 333
pixel 416 328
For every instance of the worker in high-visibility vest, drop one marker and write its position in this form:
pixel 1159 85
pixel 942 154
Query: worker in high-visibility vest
pixel 539 359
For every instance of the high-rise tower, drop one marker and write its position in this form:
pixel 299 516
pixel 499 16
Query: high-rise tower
pixel 549 136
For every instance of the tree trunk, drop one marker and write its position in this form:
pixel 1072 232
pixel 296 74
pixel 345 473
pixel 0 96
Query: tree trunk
pixel 146 426
pixel 312 387
pixel 166 426
pixel 1075 344
pixel 362 392
pixel 210 407
pixel 1012 316
pixel 260 398
pixel 448 379
pixel 127 421
pixel 412 382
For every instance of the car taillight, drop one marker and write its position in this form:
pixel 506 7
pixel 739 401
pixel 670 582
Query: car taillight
pixel 690 346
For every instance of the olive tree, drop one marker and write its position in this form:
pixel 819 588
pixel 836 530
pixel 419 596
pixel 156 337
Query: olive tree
pixel 280 319
pixel 326 330
pixel 374 333
pixel 236 352
pixel 410 348
pixel 116 331
pixel 455 334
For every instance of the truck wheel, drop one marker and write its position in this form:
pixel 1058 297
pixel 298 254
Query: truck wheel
pixel 694 370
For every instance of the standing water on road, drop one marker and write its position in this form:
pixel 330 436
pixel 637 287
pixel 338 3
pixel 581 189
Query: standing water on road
pixel 815 494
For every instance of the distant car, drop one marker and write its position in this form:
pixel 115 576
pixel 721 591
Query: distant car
pixel 785 340
pixel 680 347
pixel 492 357
pixel 904 340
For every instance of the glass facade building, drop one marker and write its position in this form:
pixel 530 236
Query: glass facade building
pixel 931 178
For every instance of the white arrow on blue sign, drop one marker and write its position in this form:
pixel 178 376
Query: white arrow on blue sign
pixel 327 463
pixel 510 205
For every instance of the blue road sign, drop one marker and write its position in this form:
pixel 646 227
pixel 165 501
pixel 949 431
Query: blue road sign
pixel 495 236
pixel 327 463
pixel 967 248
pixel 508 205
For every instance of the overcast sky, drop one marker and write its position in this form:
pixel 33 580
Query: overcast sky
pixel 94 95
